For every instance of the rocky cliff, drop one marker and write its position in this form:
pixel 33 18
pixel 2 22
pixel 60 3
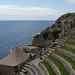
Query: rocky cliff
pixel 45 38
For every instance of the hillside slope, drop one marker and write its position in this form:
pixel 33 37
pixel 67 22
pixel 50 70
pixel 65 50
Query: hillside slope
pixel 45 38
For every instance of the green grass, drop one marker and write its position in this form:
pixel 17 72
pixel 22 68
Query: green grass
pixel 60 66
pixel 66 58
pixel 71 39
pixel 72 51
pixel 49 68
pixel 65 42
pixel 73 35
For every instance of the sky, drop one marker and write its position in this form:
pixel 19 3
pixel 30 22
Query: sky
pixel 35 9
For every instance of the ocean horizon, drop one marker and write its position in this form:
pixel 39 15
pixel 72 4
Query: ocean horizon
pixel 19 32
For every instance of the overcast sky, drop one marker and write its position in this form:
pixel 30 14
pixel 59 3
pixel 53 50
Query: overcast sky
pixel 35 9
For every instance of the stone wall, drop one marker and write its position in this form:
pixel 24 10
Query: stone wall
pixel 43 68
pixel 53 66
pixel 67 46
pixel 65 63
pixel 66 53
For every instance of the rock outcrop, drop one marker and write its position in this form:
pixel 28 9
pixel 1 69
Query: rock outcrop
pixel 30 49
pixel 45 38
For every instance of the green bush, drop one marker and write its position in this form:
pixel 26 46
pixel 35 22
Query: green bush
pixel 55 33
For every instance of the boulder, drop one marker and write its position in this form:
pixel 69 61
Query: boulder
pixel 43 39
pixel 30 49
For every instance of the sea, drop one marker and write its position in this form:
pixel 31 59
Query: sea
pixel 18 33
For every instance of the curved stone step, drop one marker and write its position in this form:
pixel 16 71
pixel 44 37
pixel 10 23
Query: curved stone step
pixel 34 69
pixel 37 69
pixel 30 69
pixel 66 53
pixel 36 72
pixel 42 72
pixel 71 41
pixel 34 63
pixel 64 62
pixel 67 46
pixel 54 67
pixel 43 68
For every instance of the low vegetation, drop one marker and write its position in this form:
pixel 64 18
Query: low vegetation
pixel 73 35
pixel 65 42
pixel 66 58
pixel 49 68
pixel 72 51
pixel 59 65
pixel 71 39
pixel 45 35
pixel 55 33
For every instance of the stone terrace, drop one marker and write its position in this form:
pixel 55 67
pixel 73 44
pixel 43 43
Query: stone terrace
pixel 60 60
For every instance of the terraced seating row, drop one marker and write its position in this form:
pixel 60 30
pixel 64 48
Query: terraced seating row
pixel 71 40
pixel 36 69
pixel 54 67
pixel 68 43
pixel 66 49
pixel 66 53
pixel 59 65
pixel 68 46
pixel 66 58
pixel 49 70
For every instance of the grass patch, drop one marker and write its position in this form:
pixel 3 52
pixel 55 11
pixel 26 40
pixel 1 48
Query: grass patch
pixel 69 43
pixel 55 33
pixel 45 35
pixel 30 45
pixel 66 58
pixel 73 35
pixel 72 51
pixel 60 66
pixel 49 68
pixel 71 39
